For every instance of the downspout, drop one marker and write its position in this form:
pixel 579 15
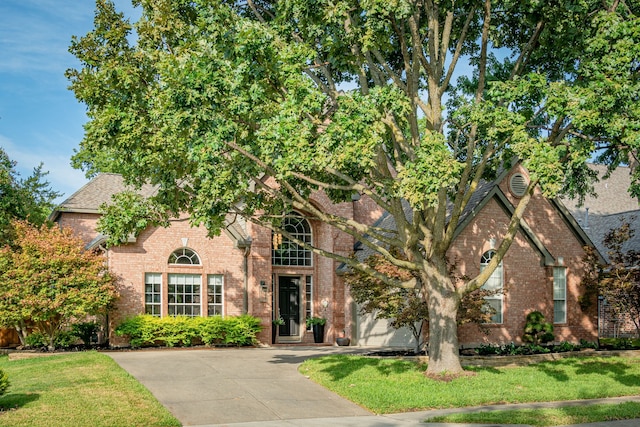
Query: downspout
pixel 246 245
pixel 245 273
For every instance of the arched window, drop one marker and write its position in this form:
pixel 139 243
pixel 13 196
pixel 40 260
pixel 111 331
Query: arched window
pixel 287 252
pixel 494 284
pixel 184 256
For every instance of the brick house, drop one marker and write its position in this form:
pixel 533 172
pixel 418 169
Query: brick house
pixel 179 270
pixel 541 271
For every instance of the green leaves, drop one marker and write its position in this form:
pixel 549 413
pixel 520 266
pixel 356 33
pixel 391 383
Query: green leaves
pixel 127 216
pixel 22 199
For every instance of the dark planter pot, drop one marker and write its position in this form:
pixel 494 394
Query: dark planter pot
pixel 318 333
pixel 343 341
pixel 274 333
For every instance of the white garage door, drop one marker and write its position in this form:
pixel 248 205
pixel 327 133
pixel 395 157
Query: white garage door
pixel 372 332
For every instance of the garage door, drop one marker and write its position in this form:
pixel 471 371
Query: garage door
pixel 379 333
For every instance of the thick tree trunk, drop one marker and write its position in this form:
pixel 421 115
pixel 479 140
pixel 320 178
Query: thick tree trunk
pixel 443 301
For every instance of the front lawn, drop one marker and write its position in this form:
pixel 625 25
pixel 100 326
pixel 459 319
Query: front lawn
pixel 390 386
pixel 76 389
pixel 548 417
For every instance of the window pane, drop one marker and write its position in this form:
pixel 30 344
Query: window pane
pixel 215 295
pixel 152 293
pixel 559 295
pixel 287 252
pixel 184 294
pixel 494 283
pixel 559 312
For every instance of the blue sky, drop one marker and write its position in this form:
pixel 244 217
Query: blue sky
pixel 40 119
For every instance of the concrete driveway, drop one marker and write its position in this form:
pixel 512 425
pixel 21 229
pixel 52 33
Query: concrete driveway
pixel 261 387
pixel 224 386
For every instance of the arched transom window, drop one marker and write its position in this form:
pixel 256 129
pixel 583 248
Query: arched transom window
pixel 287 252
pixel 494 284
pixel 184 256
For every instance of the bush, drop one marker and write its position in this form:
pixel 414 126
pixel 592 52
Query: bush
pixel 4 382
pixel 620 343
pixel 39 340
pixel 536 330
pixel 84 331
pixel 146 330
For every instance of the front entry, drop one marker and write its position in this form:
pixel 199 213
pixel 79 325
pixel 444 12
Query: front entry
pixel 289 306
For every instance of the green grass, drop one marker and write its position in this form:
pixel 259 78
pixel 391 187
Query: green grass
pixel 388 386
pixel 76 389
pixel 548 417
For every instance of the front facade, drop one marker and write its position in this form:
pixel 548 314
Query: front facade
pixel 541 271
pixel 178 270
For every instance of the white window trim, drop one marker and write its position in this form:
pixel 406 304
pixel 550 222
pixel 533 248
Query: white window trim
pixel 148 282
pixel 221 304
pixel 280 240
pixel 183 304
pixel 484 261
pixel 560 298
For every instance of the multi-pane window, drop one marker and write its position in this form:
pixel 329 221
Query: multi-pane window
pixel 287 252
pixel 215 287
pixel 152 295
pixel 308 293
pixel 184 256
pixel 184 294
pixel 559 295
pixel 495 285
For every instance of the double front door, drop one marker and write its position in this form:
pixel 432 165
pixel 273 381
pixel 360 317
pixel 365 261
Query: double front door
pixel 289 306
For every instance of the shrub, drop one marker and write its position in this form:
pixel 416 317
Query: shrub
pixel 4 382
pixel 536 330
pixel 588 344
pixel 566 346
pixel 146 330
pixel 37 339
pixel 84 331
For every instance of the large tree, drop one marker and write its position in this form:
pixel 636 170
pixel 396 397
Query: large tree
pixel 28 198
pixel 47 279
pixel 248 107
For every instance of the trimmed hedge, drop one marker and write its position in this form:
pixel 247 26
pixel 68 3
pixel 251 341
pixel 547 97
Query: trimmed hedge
pixel 146 330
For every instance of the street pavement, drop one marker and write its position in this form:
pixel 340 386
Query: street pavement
pixel 250 387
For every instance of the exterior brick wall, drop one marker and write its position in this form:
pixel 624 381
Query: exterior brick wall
pixel 150 254
pixel 528 283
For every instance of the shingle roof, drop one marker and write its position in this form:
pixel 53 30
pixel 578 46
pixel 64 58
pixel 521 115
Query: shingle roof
pixel 98 191
pixel 609 208
pixel 485 191
pixel 612 195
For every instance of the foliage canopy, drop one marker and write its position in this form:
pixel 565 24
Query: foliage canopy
pixel 26 199
pixel 248 108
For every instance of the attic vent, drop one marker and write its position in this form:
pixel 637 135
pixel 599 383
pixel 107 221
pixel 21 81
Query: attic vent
pixel 518 184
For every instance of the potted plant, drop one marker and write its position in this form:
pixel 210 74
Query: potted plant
pixel 342 340
pixel 275 323
pixel 317 325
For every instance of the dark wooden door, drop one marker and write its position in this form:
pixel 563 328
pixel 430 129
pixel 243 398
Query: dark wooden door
pixel 289 305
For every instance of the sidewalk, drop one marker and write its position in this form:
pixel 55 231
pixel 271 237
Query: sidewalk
pixel 262 387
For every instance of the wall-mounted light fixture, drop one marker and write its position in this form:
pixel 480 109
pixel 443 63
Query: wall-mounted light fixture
pixel 263 291
pixel 324 303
